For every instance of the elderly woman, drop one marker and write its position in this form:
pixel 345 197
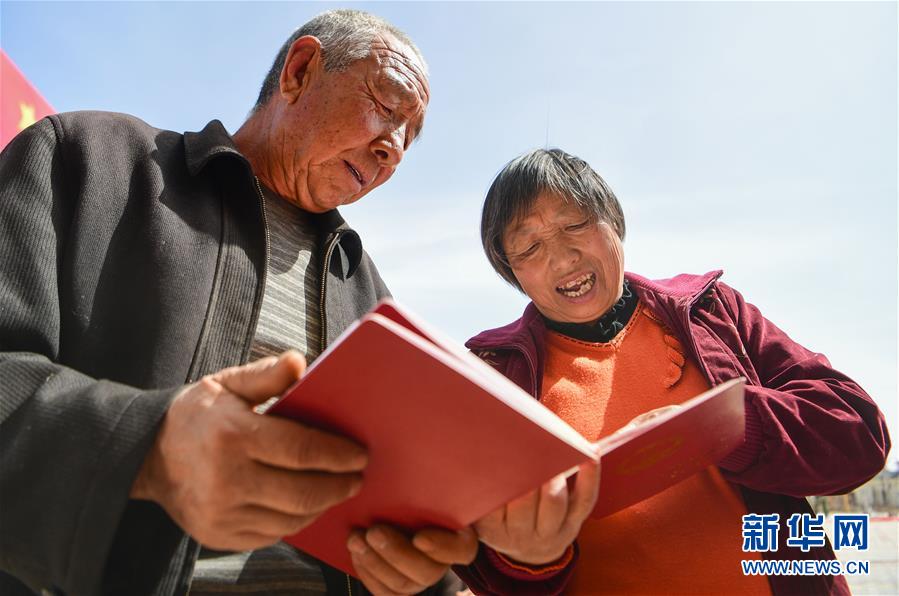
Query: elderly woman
pixel 599 347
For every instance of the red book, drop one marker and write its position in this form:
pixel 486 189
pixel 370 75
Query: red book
pixel 450 439
pixel 641 461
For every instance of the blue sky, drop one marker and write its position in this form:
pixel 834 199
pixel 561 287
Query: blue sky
pixel 760 138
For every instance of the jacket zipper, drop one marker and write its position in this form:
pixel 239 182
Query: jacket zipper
pixel 324 332
pixel 324 278
pixel 321 304
pixel 268 240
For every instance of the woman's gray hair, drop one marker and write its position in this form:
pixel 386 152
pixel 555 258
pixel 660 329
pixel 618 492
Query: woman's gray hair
pixel 346 36
pixel 521 181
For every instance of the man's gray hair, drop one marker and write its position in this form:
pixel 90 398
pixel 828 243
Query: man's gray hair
pixel 521 181
pixel 346 36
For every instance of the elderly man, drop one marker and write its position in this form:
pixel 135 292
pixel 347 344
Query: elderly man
pixel 134 260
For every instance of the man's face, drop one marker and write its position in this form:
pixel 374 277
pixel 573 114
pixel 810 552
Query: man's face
pixel 571 266
pixel 347 131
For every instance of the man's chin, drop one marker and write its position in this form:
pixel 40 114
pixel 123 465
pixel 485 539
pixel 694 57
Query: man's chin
pixel 320 205
pixel 330 203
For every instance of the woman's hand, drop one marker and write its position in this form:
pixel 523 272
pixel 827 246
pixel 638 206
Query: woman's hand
pixel 388 562
pixel 537 528
pixel 647 416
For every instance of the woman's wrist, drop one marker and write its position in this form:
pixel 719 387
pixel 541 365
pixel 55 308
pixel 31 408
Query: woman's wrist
pixel 549 559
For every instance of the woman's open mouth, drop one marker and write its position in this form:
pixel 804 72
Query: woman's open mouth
pixel 578 286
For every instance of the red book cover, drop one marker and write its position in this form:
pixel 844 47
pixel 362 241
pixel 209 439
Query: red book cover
pixel 450 439
pixel 641 461
pixel 445 445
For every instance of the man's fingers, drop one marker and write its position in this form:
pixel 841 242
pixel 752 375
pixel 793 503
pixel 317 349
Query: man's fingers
pixel 553 506
pixel 264 378
pixel 269 522
pixel 287 444
pixel 397 551
pixel 389 558
pixel 446 546
pixel 583 496
pixel 300 493
pixel 239 541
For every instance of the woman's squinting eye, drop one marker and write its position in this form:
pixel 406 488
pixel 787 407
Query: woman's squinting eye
pixel 529 250
pixel 578 226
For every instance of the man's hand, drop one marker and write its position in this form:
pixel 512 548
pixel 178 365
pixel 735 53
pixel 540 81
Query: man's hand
pixel 537 528
pixel 390 563
pixel 235 480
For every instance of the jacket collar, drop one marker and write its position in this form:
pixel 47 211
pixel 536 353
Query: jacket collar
pixel 214 143
pixel 517 333
pixel 685 287
pixel 331 225
pixel 526 333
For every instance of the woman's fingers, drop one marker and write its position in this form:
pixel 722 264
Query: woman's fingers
pixel 583 496
pixel 491 529
pixel 521 515
pixel 553 506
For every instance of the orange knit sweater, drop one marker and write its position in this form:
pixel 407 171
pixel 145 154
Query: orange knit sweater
pixel 684 540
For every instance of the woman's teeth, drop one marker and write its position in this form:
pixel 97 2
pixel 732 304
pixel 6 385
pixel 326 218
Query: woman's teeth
pixel 579 286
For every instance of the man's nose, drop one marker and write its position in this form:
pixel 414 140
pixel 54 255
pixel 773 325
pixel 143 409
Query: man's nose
pixel 388 148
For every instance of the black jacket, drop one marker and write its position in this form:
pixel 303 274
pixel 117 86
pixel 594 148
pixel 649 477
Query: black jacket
pixel 132 261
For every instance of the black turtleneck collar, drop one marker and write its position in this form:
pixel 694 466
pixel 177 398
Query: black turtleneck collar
pixel 606 327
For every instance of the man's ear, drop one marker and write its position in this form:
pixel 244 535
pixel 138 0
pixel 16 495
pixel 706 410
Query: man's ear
pixel 303 61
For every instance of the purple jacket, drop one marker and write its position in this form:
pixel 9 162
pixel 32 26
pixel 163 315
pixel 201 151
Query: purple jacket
pixel 810 430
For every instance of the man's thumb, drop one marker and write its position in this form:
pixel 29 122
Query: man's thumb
pixel 267 377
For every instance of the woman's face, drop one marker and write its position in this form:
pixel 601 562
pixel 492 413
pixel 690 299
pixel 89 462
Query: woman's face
pixel 569 264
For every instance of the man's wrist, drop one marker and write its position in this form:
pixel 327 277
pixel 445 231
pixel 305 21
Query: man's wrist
pixel 146 484
pixel 141 488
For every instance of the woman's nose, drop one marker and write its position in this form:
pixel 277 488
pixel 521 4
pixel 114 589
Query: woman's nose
pixel 562 254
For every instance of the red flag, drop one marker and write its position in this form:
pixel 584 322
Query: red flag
pixel 20 103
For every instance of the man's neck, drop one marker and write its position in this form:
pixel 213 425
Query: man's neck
pixel 251 140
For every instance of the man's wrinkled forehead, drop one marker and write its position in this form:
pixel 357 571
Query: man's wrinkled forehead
pixel 403 73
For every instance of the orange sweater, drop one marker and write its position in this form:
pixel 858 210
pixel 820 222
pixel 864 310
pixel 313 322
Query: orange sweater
pixel 684 540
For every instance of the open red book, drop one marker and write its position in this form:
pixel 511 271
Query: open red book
pixel 450 439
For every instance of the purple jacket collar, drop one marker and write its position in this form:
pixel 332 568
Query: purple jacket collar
pixel 665 297
pixel 669 299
